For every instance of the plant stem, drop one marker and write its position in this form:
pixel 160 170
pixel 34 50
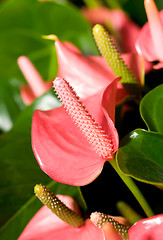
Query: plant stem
pixel 134 189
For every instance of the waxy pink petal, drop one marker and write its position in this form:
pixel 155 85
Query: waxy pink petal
pixel 60 148
pixel 147 229
pixel 36 85
pixel 110 233
pixel 125 28
pixel 83 73
pixel 46 225
pixel 145 43
pixel 156 26
pixel 90 74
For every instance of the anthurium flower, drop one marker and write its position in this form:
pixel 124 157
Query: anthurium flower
pixel 147 229
pixel 150 39
pixel 75 153
pixel 61 219
pixel 45 225
pixel 90 74
pixel 124 29
pixel 36 85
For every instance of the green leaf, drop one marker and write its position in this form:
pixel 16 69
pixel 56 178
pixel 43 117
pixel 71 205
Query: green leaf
pixel 23 22
pixel 42 53
pixel 19 169
pixel 10 104
pixel 140 157
pixel 17 42
pixel 151 109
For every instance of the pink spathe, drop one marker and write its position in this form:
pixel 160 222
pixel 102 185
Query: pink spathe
pixel 61 149
pixel 90 74
pixel 149 42
pixel 147 229
pixel 45 225
pixel 36 85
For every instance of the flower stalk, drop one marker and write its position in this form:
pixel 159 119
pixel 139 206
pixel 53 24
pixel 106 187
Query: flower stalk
pixel 134 189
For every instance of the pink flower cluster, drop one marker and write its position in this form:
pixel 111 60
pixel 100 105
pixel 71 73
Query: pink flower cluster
pixel 84 138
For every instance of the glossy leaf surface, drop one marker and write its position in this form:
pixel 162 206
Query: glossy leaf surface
pixel 140 156
pixel 151 109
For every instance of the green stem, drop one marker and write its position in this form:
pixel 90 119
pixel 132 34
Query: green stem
pixel 91 3
pixel 134 189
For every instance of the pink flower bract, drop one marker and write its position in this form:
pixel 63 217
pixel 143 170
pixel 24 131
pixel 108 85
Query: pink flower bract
pixel 36 85
pixel 90 74
pixel 56 140
pixel 149 42
pixel 147 229
pixel 46 225
pixel 61 149
pixel 145 43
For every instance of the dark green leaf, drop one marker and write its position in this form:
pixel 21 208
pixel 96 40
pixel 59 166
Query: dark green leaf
pixel 20 170
pixel 28 43
pixel 22 23
pixel 151 109
pixel 10 104
pixel 140 157
pixel 11 78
